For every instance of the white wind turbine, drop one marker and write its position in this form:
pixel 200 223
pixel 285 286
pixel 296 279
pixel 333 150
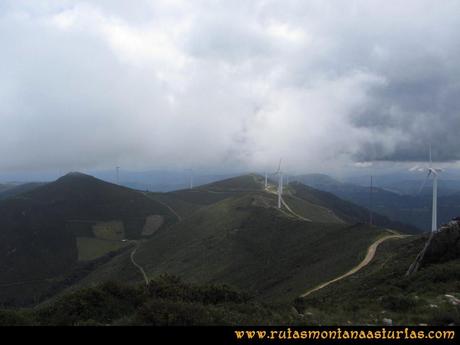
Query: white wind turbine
pixel 280 184
pixel 431 171
pixel 266 180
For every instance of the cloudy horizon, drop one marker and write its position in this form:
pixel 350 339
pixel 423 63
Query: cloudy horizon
pixel 326 85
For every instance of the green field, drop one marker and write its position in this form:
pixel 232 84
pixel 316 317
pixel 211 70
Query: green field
pixel 90 248
pixel 113 230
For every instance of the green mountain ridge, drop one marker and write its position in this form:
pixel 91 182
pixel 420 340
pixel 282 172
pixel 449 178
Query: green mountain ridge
pixel 39 229
pixel 226 237
pixel 244 241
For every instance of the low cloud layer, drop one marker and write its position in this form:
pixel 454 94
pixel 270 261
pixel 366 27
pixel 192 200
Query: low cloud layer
pixel 233 84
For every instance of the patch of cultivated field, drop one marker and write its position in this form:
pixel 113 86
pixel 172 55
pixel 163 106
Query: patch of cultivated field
pixel 112 230
pixel 152 224
pixel 90 248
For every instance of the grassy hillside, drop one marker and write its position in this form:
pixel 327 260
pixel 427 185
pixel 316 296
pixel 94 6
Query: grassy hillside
pixel 39 229
pixel 247 243
pixel 345 210
pixel 381 290
pixel 83 197
pixel 187 201
pixel 247 183
pixel 5 186
pixel 312 211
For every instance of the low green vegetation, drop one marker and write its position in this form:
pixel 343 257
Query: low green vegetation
pixel 245 183
pixel 345 210
pixel 167 301
pixel 316 213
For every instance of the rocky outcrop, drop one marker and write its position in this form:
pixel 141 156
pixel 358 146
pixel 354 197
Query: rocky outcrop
pixel 445 245
pixel 441 246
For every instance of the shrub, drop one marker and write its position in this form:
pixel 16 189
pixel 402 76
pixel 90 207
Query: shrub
pixel 170 313
pixel 397 302
pixel 98 305
pixel 15 318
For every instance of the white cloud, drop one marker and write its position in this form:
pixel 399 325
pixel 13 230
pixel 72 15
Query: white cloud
pixel 230 84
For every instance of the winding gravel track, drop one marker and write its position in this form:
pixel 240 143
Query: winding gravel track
pixel 369 256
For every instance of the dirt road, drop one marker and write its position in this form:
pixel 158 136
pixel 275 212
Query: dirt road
pixel 369 256
pixel 139 267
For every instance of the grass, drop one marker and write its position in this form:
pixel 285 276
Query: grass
pixel 245 183
pixel 92 248
pixel 315 213
pixel 113 230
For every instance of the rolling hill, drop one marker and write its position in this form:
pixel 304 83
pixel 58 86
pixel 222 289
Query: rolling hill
pixel 4 187
pixel 46 231
pixel 187 201
pixel 241 239
pixel 346 210
pixel 19 189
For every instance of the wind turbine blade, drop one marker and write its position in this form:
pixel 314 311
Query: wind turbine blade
pixel 424 182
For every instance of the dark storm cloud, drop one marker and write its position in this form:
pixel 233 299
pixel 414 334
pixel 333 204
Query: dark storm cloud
pixel 172 83
pixel 423 107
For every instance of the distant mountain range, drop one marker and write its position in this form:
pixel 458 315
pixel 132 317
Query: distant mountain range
pixel 16 189
pixel 414 209
pixel 399 200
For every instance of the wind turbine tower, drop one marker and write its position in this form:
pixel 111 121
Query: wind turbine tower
pixel 191 178
pixel 266 180
pixel 371 190
pixel 118 174
pixel 432 171
pixel 280 184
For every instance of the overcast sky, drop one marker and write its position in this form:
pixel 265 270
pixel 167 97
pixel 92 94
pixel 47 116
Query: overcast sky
pixel 228 84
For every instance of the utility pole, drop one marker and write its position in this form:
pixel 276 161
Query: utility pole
pixel 118 174
pixel 370 201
